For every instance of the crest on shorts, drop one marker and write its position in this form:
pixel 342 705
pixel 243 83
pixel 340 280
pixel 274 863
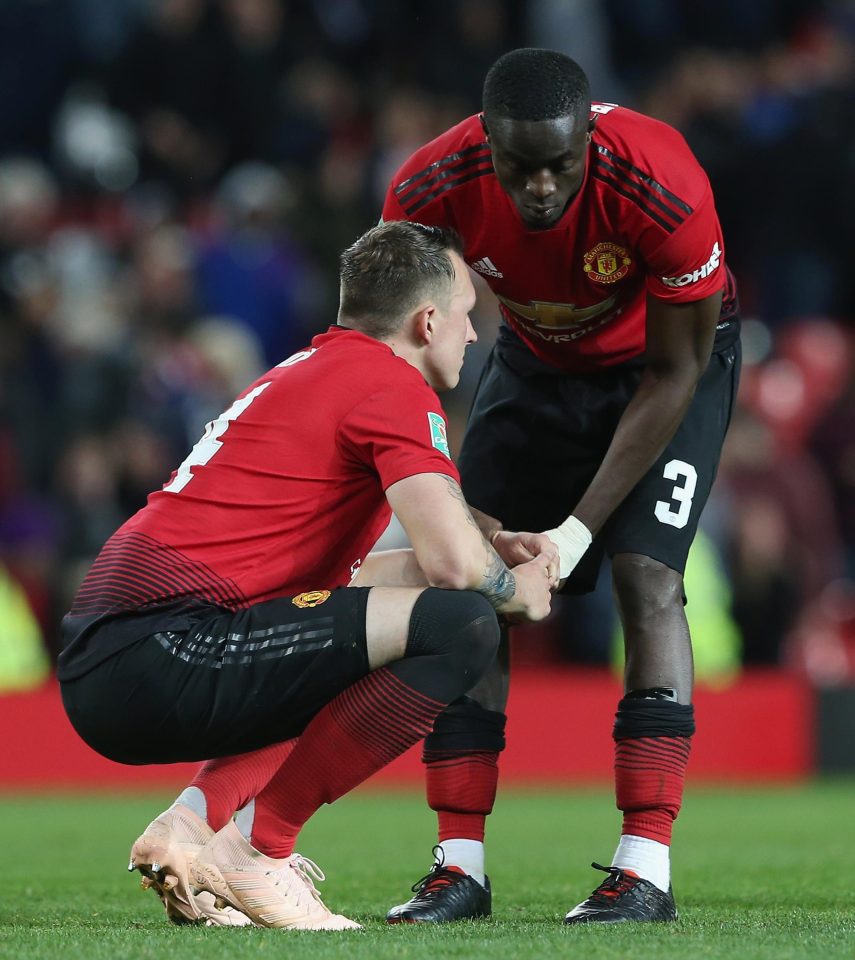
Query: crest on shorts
pixel 607 263
pixel 311 599
pixel 438 434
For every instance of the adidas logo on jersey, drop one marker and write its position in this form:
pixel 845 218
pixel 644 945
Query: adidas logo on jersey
pixel 486 266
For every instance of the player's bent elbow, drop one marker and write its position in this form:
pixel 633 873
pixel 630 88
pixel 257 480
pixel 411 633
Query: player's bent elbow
pixel 451 580
pixel 451 572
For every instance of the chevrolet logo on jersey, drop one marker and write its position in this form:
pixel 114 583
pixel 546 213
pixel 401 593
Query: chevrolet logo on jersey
pixel 560 316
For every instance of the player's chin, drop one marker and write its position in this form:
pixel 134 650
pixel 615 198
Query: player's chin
pixel 444 381
pixel 539 223
pixel 539 218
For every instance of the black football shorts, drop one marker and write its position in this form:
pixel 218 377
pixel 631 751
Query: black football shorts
pixel 233 682
pixel 536 437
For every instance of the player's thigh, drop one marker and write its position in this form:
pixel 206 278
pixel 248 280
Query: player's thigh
pixel 387 623
pixel 526 458
pixel 496 441
pixel 534 444
pixel 284 660
pixel 233 682
pixel 660 516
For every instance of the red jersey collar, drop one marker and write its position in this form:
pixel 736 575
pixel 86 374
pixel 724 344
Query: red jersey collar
pixel 337 332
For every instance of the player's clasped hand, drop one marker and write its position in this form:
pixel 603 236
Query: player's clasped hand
pixel 516 547
pixel 533 596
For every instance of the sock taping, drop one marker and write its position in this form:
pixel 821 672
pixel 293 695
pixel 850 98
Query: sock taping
pixel 652 745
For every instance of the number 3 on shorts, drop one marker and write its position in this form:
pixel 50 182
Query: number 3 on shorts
pixel 682 493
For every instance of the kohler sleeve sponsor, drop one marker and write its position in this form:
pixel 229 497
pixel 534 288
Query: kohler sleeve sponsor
pixel 709 267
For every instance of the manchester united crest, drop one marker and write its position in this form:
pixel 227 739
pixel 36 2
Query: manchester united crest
pixel 311 599
pixel 607 263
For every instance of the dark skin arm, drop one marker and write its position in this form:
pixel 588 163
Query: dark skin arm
pixel 488 525
pixel 679 343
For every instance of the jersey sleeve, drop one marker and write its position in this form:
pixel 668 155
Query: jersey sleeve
pixel 398 432
pixel 436 213
pixel 689 265
pixel 392 209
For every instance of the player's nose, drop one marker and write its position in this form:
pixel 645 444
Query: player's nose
pixel 541 185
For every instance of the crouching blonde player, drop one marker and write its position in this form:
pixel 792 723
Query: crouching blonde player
pixel 225 620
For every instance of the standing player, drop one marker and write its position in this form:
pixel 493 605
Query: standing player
pixel 217 622
pixel 601 413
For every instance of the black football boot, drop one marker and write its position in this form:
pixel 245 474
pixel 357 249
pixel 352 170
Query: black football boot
pixel 623 897
pixel 445 894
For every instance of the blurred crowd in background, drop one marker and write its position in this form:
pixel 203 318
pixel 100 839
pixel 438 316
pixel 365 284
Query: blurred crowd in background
pixel 178 177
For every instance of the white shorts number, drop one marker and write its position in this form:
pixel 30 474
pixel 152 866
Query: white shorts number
pixel 682 493
pixel 210 442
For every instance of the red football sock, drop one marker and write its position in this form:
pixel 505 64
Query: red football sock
pixel 649 776
pixel 229 783
pixel 356 734
pixel 462 790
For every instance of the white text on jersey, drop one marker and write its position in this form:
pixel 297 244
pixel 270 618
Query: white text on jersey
pixel 700 273
pixel 486 266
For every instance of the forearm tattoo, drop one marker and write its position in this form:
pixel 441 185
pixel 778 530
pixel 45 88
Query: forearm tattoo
pixel 498 584
pixel 457 493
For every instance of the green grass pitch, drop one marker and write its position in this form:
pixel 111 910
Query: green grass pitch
pixel 759 873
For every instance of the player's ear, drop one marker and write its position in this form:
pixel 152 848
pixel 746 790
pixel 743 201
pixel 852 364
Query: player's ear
pixel 484 126
pixel 424 323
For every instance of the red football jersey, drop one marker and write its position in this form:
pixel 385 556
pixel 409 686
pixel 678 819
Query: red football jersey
pixel 286 490
pixel 643 221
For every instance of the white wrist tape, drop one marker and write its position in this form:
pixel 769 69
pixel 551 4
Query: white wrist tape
pixel 572 539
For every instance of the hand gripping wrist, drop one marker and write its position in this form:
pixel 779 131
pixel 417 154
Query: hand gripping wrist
pixel 572 539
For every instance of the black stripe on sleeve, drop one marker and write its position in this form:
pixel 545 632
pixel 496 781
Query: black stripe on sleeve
pixel 483 147
pixel 459 181
pixel 621 188
pixel 651 184
pixel 438 178
pixel 645 196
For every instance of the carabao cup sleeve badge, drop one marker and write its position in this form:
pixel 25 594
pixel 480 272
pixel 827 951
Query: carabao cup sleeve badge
pixel 438 434
pixel 311 599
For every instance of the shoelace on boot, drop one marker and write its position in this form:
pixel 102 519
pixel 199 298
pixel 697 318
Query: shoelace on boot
pixel 308 868
pixel 310 872
pixel 438 879
pixel 618 883
pixel 307 871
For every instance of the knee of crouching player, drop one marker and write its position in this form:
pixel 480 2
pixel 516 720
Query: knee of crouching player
pixel 460 629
